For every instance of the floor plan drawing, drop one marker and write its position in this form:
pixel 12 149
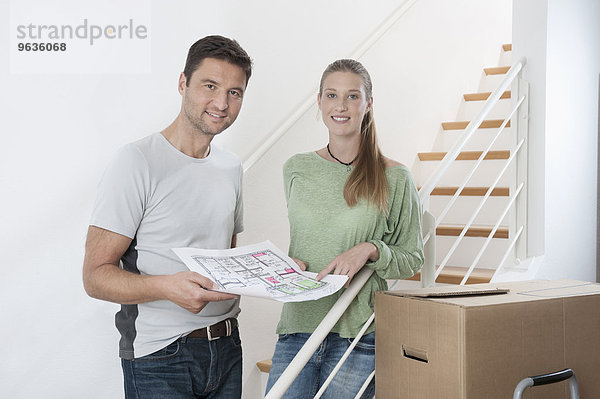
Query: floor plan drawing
pixel 259 270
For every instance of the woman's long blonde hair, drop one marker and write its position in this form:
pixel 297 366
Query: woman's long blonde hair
pixel 367 180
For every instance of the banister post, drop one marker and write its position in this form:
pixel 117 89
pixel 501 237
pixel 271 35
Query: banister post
pixel 428 269
pixel 522 126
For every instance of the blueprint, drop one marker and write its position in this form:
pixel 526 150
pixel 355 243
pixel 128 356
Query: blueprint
pixel 261 270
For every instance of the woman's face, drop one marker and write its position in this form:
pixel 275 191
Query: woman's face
pixel 343 103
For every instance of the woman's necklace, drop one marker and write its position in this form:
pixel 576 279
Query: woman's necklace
pixel 343 163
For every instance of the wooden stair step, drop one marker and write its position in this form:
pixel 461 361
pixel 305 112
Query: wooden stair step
pixel 455 274
pixel 471 191
pixel 507 47
pixel 496 70
pixel 465 155
pixel 474 231
pixel 486 124
pixel 264 365
pixel 484 96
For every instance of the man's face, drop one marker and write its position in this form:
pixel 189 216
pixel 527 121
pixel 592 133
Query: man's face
pixel 212 96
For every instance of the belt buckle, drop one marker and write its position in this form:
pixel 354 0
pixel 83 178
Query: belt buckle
pixel 209 336
pixel 227 327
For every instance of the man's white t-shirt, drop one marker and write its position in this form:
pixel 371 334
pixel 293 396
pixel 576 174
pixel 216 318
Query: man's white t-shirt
pixel 161 198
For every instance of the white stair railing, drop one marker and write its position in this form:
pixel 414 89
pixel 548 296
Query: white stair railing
pixel 491 235
pixel 427 189
pixel 478 163
pixel 477 210
pixel 317 337
pixel 339 364
pixel 434 179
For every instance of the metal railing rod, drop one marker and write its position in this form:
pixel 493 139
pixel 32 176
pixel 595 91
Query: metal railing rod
pixel 386 25
pixel 491 235
pixel 317 337
pixel 510 247
pixel 342 360
pixel 479 161
pixel 278 133
pixel 365 385
pixel 470 222
pixel 428 187
pixel 426 238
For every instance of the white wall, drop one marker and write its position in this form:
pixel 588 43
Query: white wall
pixel 572 139
pixel 529 41
pixel 561 41
pixel 59 131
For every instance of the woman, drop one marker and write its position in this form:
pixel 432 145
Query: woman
pixel 349 207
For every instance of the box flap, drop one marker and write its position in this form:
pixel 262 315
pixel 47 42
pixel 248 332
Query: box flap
pixel 575 288
pixel 520 291
pixel 449 291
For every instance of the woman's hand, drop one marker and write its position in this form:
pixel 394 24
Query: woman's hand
pixel 301 264
pixel 351 261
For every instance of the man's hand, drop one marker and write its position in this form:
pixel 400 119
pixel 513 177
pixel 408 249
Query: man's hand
pixel 190 290
pixel 351 261
pixel 104 279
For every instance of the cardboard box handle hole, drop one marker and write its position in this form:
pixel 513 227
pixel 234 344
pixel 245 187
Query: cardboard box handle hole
pixel 414 354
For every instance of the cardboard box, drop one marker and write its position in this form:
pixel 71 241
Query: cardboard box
pixel 480 346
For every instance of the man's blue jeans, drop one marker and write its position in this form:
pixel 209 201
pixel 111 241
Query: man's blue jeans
pixel 188 368
pixel 347 382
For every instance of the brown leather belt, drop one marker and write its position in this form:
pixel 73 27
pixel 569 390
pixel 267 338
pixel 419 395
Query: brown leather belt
pixel 221 329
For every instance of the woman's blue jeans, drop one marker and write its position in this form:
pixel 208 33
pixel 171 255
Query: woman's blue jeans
pixel 188 368
pixel 347 382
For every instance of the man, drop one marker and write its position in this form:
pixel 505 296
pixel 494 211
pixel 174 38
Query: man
pixel 172 189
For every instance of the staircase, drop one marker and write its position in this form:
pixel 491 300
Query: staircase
pixel 453 222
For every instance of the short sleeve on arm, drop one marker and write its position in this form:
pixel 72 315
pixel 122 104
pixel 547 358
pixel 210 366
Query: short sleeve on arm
pixel 238 226
pixel 122 193
pixel 287 178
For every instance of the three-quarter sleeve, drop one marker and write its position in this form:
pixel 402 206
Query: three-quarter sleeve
pixel 401 247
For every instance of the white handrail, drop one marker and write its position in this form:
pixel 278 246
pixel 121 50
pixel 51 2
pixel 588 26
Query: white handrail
pixel 276 134
pixel 472 219
pixel 479 161
pixel 491 235
pixel 317 337
pixel 428 187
